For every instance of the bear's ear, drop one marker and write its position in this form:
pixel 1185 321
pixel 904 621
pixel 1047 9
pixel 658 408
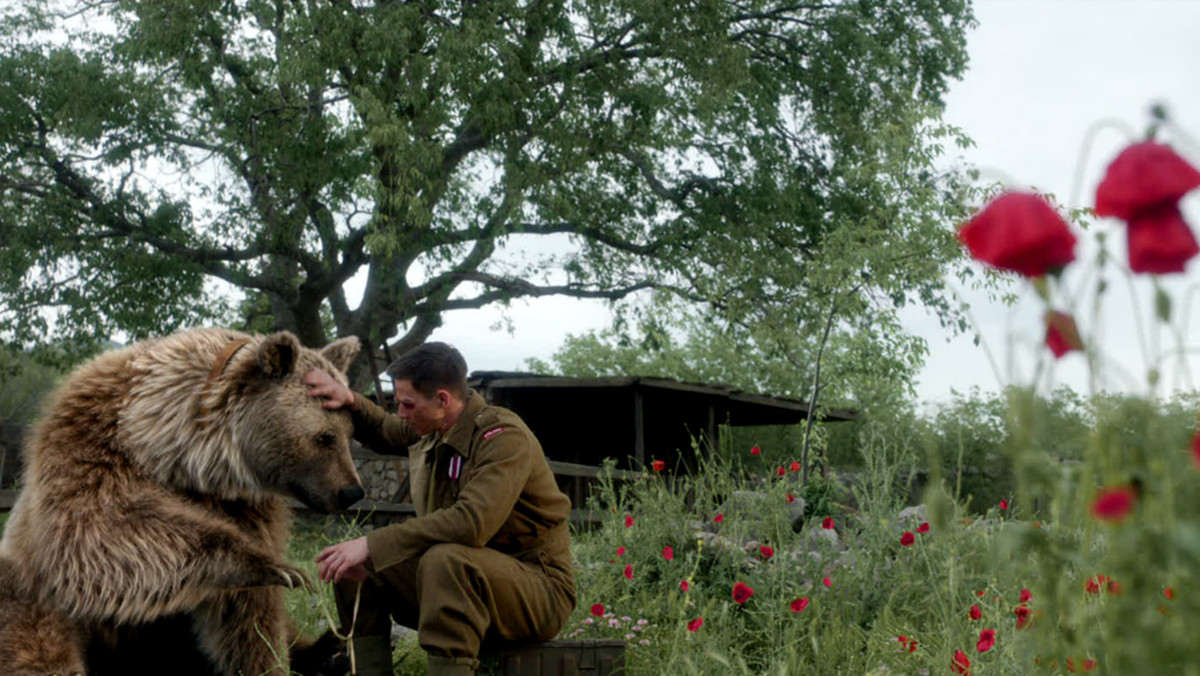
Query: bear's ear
pixel 341 352
pixel 277 355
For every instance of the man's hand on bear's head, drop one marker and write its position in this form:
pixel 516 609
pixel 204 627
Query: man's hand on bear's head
pixel 334 395
pixel 344 560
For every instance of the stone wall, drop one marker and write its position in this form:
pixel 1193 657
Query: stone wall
pixel 380 478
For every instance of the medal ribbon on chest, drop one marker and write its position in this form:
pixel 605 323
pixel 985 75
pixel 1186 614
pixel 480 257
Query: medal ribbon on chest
pixel 455 466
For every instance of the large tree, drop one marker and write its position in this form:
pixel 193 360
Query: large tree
pixel 166 163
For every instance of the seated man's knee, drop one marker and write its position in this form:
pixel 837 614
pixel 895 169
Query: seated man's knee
pixel 443 560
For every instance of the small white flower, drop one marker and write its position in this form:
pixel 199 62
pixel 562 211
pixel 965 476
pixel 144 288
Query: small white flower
pixel 588 620
pixel 644 642
pixel 630 637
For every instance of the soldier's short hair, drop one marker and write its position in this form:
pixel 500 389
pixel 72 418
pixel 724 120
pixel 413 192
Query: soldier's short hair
pixel 432 367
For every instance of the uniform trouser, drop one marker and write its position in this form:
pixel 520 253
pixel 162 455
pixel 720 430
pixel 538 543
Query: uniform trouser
pixel 456 596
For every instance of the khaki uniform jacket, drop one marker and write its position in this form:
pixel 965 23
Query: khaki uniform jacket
pixel 485 483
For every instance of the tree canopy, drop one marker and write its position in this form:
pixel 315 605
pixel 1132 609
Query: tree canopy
pixel 262 161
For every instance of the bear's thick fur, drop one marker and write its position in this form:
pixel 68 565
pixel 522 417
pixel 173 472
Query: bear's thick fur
pixel 155 487
pixel 34 641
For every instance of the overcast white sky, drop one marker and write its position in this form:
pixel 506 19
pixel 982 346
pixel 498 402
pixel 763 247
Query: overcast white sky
pixel 1042 72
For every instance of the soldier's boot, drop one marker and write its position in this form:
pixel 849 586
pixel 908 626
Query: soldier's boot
pixel 373 656
pixel 451 666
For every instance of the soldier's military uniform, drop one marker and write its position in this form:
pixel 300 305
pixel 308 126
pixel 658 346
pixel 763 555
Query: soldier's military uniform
pixel 487 554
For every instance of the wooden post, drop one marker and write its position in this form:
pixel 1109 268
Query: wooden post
pixel 639 428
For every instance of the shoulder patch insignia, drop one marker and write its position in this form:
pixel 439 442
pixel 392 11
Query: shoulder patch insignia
pixel 492 432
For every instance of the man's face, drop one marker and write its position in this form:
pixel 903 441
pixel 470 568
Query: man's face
pixel 425 414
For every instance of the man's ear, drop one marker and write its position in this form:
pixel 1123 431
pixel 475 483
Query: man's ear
pixel 341 352
pixel 277 355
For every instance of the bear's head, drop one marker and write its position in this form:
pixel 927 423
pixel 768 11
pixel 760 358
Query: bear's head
pixel 288 442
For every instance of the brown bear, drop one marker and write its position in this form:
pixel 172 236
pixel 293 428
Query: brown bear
pixel 34 641
pixel 155 488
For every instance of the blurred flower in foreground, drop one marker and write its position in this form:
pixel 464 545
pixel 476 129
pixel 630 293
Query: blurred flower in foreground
pixel 695 624
pixel 1143 186
pixel 1114 504
pixel 987 639
pixel 961 663
pixel 1019 231
pixel 658 465
pixel 799 604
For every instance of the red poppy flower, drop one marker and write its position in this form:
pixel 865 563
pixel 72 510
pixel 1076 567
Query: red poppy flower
pixel 923 528
pixel 629 571
pixel 718 518
pixel 1089 664
pixel 799 605
pixel 987 639
pixel 668 553
pixel 684 585
pixel 621 551
pixel 1020 232
pixel 981 592
pixel 766 551
pixel 1169 593
pixel 1004 504
pixel 780 471
pixel 827 523
pixel 908 538
pixel 1062 335
pixel 976 612
pixel 598 610
pixel 658 465
pixel 742 592
pixel 1022 613
pixel 1113 504
pixel 790 498
pixel 756 451
pixel 903 640
pixel 628 520
pixel 1143 186
pixel 961 663
pixel 694 625
pixel 795 466
pixel 912 646
pixel 1026 595
pixel 827 581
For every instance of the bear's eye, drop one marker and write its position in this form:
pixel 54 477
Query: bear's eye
pixel 326 439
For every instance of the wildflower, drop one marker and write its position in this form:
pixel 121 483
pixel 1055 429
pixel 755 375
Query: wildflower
pixel 756 451
pixel 658 465
pixel 799 605
pixel 1143 186
pixel 694 625
pixel 628 520
pixel 1196 449
pixel 976 612
pixel 1026 595
pixel 827 581
pixel 923 528
pixel 1169 593
pixel 668 553
pixel 1022 613
pixel 987 639
pixel 742 592
pixel 589 620
pixel 1020 232
pixel 1062 335
pixel 828 524
pixel 598 610
pixel 790 498
pixel 684 585
pixel 1003 504
pixel 908 538
pixel 766 551
pixel 961 663
pixel 1113 504
pixel 780 471
pixel 718 518
pixel 912 646
pixel 644 642
pixel 620 551
pixel 980 593
pixel 614 623
pixel 795 466
pixel 630 637
pixel 1094 584
pixel 629 572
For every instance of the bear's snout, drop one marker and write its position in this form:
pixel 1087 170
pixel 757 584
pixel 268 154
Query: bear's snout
pixel 349 495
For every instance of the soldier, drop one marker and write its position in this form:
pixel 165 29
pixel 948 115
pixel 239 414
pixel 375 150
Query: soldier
pixel 487 555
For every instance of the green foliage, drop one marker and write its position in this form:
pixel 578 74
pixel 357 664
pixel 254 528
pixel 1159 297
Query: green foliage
pixel 24 384
pixel 775 162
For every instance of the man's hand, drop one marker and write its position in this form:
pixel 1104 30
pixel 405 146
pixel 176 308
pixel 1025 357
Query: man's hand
pixel 344 560
pixel 334 395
